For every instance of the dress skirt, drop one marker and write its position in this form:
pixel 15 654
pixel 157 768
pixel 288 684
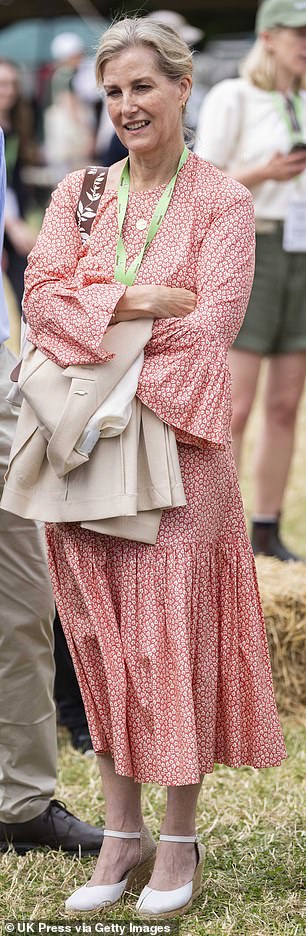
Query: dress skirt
pixel 169 641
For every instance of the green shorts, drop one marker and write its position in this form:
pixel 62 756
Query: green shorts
pixel 275 321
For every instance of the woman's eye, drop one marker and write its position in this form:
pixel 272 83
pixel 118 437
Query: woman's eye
pixel 112 93
pixel 143 87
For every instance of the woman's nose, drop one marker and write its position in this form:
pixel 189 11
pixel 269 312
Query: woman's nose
pixel 129 104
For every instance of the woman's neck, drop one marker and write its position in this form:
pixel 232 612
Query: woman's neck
pixel 285 81
pixel 147 171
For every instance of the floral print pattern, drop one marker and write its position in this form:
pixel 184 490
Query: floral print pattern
pixel 168 641
pixel 206 243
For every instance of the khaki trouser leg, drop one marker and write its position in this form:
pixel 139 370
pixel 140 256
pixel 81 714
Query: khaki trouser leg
pixel 27 711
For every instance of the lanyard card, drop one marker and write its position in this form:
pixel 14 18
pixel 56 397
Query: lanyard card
pixel 294 240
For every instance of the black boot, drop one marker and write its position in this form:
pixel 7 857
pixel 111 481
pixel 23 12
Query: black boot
pixel 266 541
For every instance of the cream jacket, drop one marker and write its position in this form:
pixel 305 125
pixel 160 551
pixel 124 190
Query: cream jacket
pixel 123 485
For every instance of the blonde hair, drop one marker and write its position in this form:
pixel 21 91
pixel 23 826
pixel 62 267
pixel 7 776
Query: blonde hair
pixel 259 69
pixel 173 56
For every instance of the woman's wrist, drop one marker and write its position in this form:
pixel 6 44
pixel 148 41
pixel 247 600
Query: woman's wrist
pixel 133 304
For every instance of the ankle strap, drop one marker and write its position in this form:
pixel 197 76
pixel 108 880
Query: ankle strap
pixel 122 835
pixel 178 838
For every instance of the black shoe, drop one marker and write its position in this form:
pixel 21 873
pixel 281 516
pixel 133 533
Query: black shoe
pixel 81 741
pixel 57 828
pixel 265 540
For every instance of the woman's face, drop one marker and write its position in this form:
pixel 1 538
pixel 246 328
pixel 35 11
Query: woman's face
pixel 145 107
pixel 289 49
pixel 9 87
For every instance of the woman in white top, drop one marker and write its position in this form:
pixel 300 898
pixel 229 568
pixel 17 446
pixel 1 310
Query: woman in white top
pixel 255 128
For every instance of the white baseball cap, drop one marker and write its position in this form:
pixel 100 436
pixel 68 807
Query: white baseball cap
pixel 191 34
pixel 65 45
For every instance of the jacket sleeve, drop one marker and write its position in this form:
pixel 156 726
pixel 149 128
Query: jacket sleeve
pixel 186 379
pixel 68 317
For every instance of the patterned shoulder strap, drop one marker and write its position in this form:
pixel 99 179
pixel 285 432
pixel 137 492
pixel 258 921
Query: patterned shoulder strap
pixel 92 189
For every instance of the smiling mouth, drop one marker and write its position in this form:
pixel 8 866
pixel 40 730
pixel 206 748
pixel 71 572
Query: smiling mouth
pixel 136 125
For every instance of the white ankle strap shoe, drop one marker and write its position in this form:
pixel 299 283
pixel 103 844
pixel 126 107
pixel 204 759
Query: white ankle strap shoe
pixel 154 903
pixel 107 895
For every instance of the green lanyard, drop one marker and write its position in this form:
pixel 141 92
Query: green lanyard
pixel 128 276
pixel 291 111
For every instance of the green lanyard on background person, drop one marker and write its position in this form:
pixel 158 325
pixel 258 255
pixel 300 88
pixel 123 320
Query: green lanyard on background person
pixel 291 111
pixel 128 276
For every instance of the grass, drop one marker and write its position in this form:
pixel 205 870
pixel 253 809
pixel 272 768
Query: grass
pixel 251 820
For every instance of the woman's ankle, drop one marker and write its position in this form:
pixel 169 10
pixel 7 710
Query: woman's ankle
pixel 177 827
pixel 124 822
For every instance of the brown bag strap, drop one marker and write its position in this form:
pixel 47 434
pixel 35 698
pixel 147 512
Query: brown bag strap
pixel 93 187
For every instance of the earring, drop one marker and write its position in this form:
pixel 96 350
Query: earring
pixel 184 105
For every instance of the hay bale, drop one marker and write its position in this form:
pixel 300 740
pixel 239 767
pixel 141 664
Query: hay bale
pixel 283 593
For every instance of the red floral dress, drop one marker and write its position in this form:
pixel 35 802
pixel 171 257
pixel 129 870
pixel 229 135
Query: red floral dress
pixel 168 641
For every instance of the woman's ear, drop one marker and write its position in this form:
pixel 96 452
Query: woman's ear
pixel 185 86
pixel 267 38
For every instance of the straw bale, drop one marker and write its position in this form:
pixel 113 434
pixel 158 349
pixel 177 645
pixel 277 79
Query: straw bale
pixel 283 593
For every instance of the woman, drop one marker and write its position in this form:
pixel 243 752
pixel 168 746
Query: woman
pixel 168 640
pixel 255 128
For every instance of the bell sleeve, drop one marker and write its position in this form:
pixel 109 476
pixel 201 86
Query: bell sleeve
pixel 67 317
pixel 186 378
pixel 225 272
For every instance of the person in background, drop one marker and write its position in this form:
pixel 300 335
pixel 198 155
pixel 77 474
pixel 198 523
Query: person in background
pixel 19 132
pixel 70 708
pixel 16 119
pixel 68 52
pixel 255 128
pixel 68 121
pixel 29 816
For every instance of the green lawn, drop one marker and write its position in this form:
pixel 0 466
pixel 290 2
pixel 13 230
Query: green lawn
pixel 251 821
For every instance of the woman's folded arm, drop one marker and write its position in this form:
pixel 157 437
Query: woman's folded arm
pixel 67 317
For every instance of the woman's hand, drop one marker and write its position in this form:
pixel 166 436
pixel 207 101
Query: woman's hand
pixel 162 302
pixel 283 167
pixel 171 302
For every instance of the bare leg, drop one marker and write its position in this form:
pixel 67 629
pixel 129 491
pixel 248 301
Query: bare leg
pixel 244 367
pixel 123 813
pixel 175 863
pixel 284 387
